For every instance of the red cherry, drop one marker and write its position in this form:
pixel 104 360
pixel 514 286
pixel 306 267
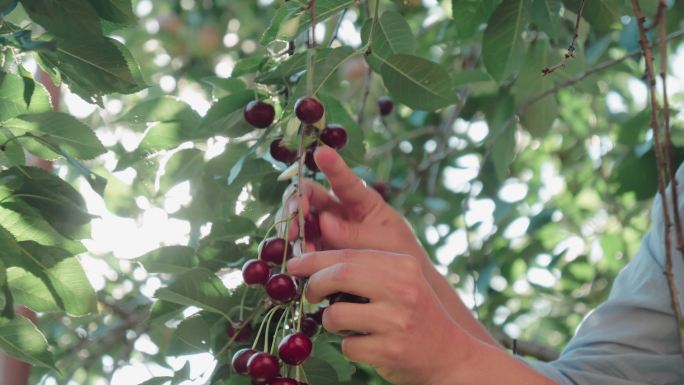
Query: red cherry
pixel 273 249
pixel 295 348
pixel 281 288
pixel 240 359
pixel 385 105
pixel 281 153
pixel 259 114
pixel 255 272
pixel 309 326
pixel 283 381
pixel 346 297
pixel 243 335
pixel 312 226
pixel 263 367
pixel 318 315
pixel 334 136
pixel 309 159
pixel 309 110
pixel 383 188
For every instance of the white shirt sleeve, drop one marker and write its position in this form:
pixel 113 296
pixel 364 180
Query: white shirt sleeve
pixel 631 339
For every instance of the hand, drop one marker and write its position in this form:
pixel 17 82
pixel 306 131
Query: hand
pixel 410 338
pixel 352 215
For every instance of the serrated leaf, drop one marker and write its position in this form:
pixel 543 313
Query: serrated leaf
pixel 197 287
pixel 226 117
pixel 503 47
pixel 417 82
pixel 392 35
pixel 191 336
pixel 13 97
pixel 183 165
pixel 20 338
pixel 69 19
pixel 169 259
pixel 58 130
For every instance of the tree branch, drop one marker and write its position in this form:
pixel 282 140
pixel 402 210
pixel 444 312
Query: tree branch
pixel 571 49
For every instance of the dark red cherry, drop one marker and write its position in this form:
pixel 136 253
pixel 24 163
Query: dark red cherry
pixel 317 315
pixel 259 114
pixel 334 136
pixel 346 297
pixel 309 326
pixel 255 272
pixel 383 188
pixel 309 110
pixel 273 250
pixel 283 381
pixel 312 226
pixel 295 348
pixel 263 367
pixel 240 359
pixel 281 288
pixel 385 105
pixel 281 153
pixel 309 159
pixel 244 333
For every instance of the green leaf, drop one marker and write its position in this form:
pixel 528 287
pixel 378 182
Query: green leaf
pixel 183 165
pixel 232 229
pixel 56 200
pixel 68 19
pixel 13 155
pixel 52 272
pixel 295 16
pixel 29 85
pixel 7 6
pixel 334 357
pixel 503 151
pixel 13 101
pixel 197 287
pixel 94 68
pixel 191 336
pixel 417 82
pixel 49 130
pixel 20 338
pixel 157 381
pixel 247 65
pixel 117 11
pixel 469 15
pixel 335 112
pixel 604 15
pixel 169 259
pixel 226 117
pixel 503 47
pixel 392 35
pixel 538 117
pixel 163 311
pixel 285 12
pixel 161 109
pixel 324 70
pixel 545 15
pixel 3 286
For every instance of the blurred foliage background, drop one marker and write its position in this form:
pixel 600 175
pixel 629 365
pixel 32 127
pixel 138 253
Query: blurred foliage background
pixel 530 205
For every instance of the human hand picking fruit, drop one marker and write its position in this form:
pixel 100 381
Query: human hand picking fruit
pixel 391 330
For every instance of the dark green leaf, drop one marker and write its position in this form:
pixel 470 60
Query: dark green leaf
pixel 169 259
pixel 68 19
pixel 392 35
pixel 192 336
pixel 247 65
pixel 469 15
pixel 225 117
pixel 324 70
pixel 545 15
pixel 418 83
pixel 117 11
pixel 503 47
pixel 197 287
pixel 232 229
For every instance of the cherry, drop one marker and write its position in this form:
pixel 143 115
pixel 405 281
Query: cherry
pixel 259 114
pixel 281 153
pixel 295 348
pixel 243 335
pixel 309 110
pixel 255 272
pixel 312 226
pixel 385 105
pixel 281 288
pixel 317 315
pixel 273 249
pixel 309 159
pixel 309 326
pixel 383 188
pixel 283 381
pixel 334 136
pixel 240 359
pixel 263 367
pixel 346 297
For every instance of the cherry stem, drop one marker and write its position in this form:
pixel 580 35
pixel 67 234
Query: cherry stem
pixel 268 319
pixel 242 303
pixel 239 329
pixel 278 328
pixel 283 264
pixel 261 327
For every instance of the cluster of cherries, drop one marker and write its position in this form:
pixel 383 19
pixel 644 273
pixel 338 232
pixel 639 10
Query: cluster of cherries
pixel 263 367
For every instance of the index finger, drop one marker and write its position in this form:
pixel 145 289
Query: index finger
pixel 310 263
pixel 348 187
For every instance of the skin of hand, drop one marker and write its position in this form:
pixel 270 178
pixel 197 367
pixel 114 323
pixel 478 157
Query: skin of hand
pixel 354 216
pixel 396 340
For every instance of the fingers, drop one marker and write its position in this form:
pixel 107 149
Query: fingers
pixel 343 317
pixel 313 195
pixel 369 349
pixel 348 187
pixel 365 281
pixel 308 264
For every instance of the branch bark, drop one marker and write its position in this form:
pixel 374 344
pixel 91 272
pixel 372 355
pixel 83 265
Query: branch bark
pixel 571 49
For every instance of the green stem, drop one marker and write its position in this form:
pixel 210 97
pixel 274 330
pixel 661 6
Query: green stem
pixel 242 303
pixel 261 327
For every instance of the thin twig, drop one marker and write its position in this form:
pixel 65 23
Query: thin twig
pixel 571 49
pixel 662 165
pixel 337 27
pixel 600 67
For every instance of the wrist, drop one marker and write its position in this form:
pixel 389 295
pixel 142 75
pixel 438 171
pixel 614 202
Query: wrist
pixel 459 355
